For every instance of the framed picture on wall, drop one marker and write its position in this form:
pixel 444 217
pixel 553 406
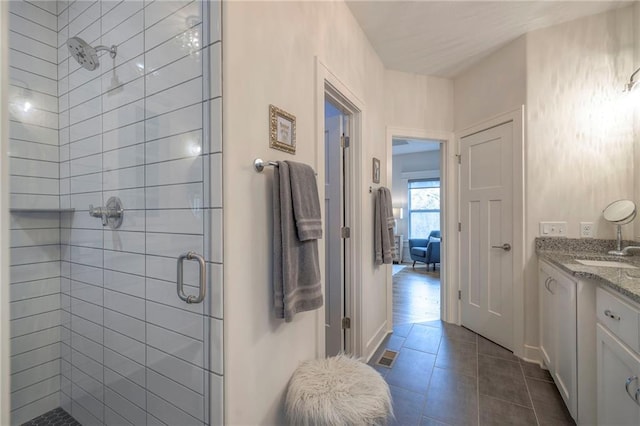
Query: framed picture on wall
pixel 282 130
pixel 376 170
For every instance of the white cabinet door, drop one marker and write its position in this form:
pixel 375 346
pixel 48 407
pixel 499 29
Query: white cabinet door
pixel 616 365
pixel 565 365
pixel 547 318
pixel 558 337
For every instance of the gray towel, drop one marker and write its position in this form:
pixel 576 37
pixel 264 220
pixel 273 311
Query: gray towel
pixel 296 268
pixel 306 203
pixel 383 227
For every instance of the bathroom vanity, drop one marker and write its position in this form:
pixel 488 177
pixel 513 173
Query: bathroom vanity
pixel 590 332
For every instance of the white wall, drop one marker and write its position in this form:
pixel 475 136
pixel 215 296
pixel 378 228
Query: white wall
pixel 493 86
pixel 270 51
pixel 579 149
pixel 417 101
pixel 427 164
pixel 269 58
pixel 580 131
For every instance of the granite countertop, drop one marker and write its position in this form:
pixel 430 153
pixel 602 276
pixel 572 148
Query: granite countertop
pixel 625 281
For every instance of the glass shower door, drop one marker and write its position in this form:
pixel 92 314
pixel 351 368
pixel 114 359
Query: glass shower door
pixel 98 328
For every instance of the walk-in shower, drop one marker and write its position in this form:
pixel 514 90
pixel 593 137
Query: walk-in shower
pixel 115 174
pixel 85 54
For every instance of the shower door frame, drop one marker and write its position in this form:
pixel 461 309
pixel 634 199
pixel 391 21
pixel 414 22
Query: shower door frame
pixel 5 405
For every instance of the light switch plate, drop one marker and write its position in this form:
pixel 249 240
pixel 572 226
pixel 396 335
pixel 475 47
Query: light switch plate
pixel 553 229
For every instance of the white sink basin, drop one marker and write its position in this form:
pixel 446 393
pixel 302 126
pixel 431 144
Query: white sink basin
pixel 606 264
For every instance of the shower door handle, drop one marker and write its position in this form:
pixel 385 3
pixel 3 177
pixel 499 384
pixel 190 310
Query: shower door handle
pixel 202 279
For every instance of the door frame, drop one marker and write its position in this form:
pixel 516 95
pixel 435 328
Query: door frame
pixel 516 116
pixel 449 197
pixel 327 81
pixel 5 405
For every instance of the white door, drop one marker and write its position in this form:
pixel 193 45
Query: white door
pixel 486 259
pixel 616 366
pixel 333 221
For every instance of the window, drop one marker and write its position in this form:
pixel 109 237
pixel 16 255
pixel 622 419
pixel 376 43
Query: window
pixel 424 207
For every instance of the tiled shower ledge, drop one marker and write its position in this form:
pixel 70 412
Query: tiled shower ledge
pixel 21 210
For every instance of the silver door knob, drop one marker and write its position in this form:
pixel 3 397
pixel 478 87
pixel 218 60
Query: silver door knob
pixel 505 247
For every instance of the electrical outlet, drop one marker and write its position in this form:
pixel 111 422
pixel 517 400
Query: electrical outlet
pixel 553 229
pixel 586 229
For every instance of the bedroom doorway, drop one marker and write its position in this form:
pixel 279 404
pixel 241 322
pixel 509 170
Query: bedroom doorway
pixel 417 207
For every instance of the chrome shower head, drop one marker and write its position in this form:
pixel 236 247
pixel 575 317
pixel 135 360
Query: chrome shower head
pixel 86 55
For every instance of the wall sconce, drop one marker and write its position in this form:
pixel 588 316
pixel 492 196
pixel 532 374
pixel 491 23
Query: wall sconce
pixel 398 212
pixel 631 84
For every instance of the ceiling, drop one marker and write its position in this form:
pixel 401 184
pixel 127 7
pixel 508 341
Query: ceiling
pixel 411 146
pixel 443 38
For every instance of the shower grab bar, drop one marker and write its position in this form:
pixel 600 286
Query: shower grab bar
pixel 202 282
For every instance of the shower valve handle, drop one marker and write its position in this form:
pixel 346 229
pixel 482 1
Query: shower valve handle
pixel 98 212
pixel 113 210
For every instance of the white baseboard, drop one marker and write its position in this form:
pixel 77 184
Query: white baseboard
pixel 376 340
pixel 532 354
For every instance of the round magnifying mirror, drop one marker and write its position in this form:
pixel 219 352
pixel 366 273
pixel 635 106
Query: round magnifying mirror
pixel 620 212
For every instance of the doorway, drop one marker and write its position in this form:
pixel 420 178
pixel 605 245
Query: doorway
pixel 417 207
pixel 337 133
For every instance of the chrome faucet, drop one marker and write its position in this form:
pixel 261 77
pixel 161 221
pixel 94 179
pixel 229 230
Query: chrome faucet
pixel 627 249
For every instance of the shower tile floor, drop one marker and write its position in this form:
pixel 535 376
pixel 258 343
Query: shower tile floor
pixel 56 417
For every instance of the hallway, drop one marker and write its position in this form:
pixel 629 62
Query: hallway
pixel 445 374
pixel 416 294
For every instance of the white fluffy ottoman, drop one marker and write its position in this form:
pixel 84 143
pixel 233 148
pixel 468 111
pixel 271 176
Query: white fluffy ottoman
pixel 337 391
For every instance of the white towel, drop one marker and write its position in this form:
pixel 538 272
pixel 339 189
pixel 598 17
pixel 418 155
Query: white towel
pixel 383 227
pixel 296 267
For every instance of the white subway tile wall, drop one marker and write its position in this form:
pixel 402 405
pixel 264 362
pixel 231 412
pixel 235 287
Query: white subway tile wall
pixel 36 315
pixel 97 327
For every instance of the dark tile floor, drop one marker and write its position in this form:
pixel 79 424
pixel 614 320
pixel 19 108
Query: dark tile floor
pixel 448 375
pixel 56 417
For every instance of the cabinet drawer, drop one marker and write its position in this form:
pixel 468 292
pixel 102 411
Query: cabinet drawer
pixel 619 317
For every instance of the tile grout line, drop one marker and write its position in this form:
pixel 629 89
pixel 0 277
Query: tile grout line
pixel 426 392
pixel 478 379
pixel 526 385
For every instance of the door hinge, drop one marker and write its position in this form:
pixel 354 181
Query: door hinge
pixel 344 141
pixel 346 323
pixel 459 156
pixel 459 294
pixel 345 232
pixel 459 226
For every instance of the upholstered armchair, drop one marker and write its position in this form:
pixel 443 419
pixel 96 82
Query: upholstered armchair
pixel 425 250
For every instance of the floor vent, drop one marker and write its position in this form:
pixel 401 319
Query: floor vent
pixel 388 358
